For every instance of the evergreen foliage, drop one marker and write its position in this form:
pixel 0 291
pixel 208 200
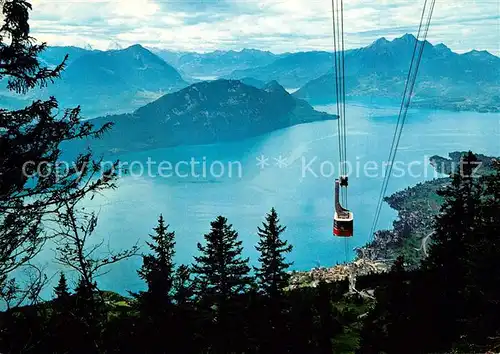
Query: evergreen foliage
pixel 61 291
pixel 32 187
pixel 221 278
pixel 158 270
pixel 272 276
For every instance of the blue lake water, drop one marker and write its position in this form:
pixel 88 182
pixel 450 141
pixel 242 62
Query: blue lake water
pixel 303 197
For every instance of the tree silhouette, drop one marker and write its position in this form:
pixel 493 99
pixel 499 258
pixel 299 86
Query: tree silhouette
pixel 483 270
pixel 454 235
pixel 158 271
pixel 61 291
pixel 183 286
pixel 156 304
pixel 272 278
pixel 454 291
pixel 76 252
pixel 32 183
pixel 221 275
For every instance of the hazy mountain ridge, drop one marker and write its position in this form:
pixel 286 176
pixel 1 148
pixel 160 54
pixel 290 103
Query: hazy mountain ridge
pixel 294 70
pixel 53 56
pixel 205 113
pixel 446 80
pixel 107 82
pixel 218 63
pixel 119 81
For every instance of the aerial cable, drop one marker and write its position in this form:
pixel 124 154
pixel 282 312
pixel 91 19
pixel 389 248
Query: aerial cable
pixel 340 36
pixel 343 91
pixel 340 23
pixel 403 110
pixel 336 76
pixel 343 224
pixel 382 193
pixel 402 116
pixel 338 59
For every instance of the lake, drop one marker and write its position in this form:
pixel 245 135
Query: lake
pixel 297 179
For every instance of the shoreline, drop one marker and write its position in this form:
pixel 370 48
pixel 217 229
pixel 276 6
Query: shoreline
pixel 416 208
pixel 379 102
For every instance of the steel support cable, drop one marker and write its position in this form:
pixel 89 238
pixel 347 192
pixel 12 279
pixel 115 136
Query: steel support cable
pixel 408 101
pixel 388 173
pixel 380 198
pixel 337 23
pixel 340 35
pixel 405 105
pixel 338 30
pixel 336 76
pixel 346 241
pixel 403 111
pixel 343 92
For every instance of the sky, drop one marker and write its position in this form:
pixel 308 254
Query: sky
pixel 274 25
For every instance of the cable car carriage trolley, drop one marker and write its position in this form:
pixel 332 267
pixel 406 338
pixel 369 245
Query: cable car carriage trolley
pixel 343 218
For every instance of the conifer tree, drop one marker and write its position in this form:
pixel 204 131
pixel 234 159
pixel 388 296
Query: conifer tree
pixel 483 269
pixel 455 292
pixel 156 303
pixel 185 330
pixel 455 233
pixel 183 286
pixel 62 330
pixel 272 276
pixel 61 291
pixel 455 224
pixel 88 316
pixel 221 272
pixel 221 275
pixel 158 270
pixel 32 188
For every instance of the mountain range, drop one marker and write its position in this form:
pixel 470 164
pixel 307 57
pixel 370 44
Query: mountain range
pixel 218 63
pixel 107 82
pixel 205 113
pixel 122 80
pixel 292 71
pixel 446 80
pixel 52 56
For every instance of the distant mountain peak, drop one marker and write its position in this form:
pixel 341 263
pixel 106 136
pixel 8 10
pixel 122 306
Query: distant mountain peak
pixel 407 40
pixel 478 52
pixel 380 42
pixel 481 54
pixel 408 37
pixel 136 47
pixel 273 86
pixel 442 48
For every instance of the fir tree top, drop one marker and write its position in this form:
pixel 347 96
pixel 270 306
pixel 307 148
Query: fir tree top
pixel 221 271
pixel 62 289
pixel 272 275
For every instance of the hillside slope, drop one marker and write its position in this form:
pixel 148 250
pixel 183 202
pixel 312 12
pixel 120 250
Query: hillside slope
pixel 107 82
pixel 417 207
pixel 205 113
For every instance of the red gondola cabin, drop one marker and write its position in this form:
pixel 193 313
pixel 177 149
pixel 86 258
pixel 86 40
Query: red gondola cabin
pixel 343 220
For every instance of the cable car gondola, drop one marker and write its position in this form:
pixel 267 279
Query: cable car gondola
pixel 343 219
